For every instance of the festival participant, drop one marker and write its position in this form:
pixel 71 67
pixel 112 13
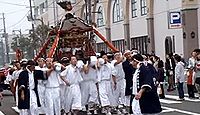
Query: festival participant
pixel 72 78
pixel 27 92
pixel 88 85
pixel 15 76
pixel 52 91
pixel 65 62
pixel 129 71
pixel 41 85
pixel 106 80
pixel 119 93
pixel 144 88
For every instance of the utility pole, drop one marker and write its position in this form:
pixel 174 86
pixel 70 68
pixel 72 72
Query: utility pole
pixel 33 30
pixel 6 40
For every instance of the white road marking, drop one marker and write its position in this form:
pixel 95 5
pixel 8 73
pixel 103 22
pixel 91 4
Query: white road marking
pixel 169 101
pixel 186 98
pixel 1 113
pixel 16 109
pixel 167 110
pixel 180 111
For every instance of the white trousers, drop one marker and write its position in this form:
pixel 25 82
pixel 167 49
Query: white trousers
pixel 119 93
pixel 62 95
pixel 33 106
pixel 72 98
pixel 88 92
pixel 52 101
pixel 105 93
pixel 16 95
pixel 41 93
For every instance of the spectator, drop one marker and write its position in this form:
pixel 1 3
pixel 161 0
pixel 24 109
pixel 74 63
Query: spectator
pixel 197 81
pixel 179 76
pixel 170 66
pixel 191 81
pixel 161 78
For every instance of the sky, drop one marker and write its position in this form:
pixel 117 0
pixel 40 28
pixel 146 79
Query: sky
pixel 16 12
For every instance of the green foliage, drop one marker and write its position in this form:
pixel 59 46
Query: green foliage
pixel 31 42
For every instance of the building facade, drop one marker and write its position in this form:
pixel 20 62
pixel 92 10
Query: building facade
pixel 151 26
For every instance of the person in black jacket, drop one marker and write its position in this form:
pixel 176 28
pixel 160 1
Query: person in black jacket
pixel 144 88
pixel 129 71
pixel 27 90
pixel 170 67
pixel 161 78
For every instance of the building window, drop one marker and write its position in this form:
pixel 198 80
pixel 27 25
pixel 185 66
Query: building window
pixel 42 8
pixel 36 12
pixel 140 43
pixel 100 21
pixel 134 8
pixel 117 11
pixel 46 5
pixel 73 1
pixel 143 4
pixel 119 44
pixel 102 47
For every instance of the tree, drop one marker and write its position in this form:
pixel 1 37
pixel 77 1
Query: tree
pixel 24 45
pixel 41 32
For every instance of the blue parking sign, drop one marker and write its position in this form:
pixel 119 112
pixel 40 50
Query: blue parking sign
pixel 175 20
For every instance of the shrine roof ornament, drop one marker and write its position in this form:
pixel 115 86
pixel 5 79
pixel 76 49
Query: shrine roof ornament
pixel 66 5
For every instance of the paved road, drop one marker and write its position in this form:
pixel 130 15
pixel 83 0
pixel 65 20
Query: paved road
pixel 170 105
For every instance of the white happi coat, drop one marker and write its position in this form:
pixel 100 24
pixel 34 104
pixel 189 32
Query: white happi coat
pixel 88 87
pixel 105 83
pixel 119 93
pixel 72 93
pixel 52 94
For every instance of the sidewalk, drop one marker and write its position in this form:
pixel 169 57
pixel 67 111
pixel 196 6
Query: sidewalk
pixel 7 93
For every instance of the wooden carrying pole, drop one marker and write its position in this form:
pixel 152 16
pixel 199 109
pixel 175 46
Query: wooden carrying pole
pixel 105 40
pixel 43 48
pixel 54 46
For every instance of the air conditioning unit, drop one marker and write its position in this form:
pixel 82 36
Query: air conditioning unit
pixel 186 3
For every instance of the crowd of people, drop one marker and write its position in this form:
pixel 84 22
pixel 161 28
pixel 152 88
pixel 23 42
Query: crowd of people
pixel 125 83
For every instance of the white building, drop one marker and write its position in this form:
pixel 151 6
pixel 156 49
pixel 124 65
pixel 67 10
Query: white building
pixel 158 26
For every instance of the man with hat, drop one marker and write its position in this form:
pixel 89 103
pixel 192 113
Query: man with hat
pixel 27 91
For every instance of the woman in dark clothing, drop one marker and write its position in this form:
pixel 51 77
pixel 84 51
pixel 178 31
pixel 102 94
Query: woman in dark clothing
pixel 170 67
pixel 161 78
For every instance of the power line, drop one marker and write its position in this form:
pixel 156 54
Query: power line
pixel 19 20
pixel 16 11
pixel 12 3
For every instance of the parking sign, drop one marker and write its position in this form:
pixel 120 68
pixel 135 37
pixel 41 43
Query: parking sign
pixel 175 20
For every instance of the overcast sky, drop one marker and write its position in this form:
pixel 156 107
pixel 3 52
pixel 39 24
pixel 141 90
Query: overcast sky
pixel 16 12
